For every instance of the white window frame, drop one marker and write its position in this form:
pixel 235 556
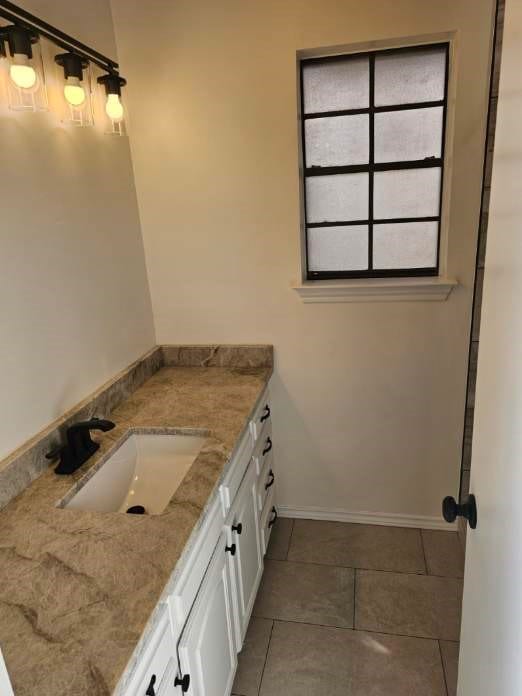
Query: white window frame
pixel 416 288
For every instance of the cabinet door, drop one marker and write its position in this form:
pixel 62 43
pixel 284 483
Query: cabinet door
pixel 247 563
pixel 207 648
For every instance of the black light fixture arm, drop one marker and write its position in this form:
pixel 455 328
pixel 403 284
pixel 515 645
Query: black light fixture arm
pixel 20 17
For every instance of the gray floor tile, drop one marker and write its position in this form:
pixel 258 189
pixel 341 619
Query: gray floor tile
pixel 412 605
pixel 280 539
pixel 306 592
pixel 306 660
pixel 252 658
pixel 444 555
pixel 450 660
pixel 357 546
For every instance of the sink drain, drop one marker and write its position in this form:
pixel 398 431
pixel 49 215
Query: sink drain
pixel 136 510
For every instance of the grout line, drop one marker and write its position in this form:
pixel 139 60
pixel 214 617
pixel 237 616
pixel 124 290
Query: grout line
pixel 290 539
pixel 424 551
pixel 354 594
pixel 443 668
pixel 421 574
pixel 358 630
pixel 266 658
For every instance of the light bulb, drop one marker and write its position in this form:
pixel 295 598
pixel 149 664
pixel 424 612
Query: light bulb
pixel 114 107
pixel 21 73
pixel 74 92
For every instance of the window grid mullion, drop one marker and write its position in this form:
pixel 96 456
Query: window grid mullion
pixel 377 109
pixel 371 158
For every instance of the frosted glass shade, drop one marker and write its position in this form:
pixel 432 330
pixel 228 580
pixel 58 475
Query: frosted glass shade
pixel 408 135
pixel 406 193
pixel 342 140
pixel 338 248
pixel 405 245
pixel 406 77
pixel 337 197
pixel 334 85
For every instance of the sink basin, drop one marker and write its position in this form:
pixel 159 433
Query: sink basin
pixel 144 472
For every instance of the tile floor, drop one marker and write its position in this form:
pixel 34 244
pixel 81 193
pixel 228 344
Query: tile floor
pixel 354 610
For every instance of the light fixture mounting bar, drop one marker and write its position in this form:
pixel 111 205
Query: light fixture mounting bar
pixel 17 15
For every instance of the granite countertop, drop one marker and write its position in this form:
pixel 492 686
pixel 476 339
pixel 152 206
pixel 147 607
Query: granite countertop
pixel 77 588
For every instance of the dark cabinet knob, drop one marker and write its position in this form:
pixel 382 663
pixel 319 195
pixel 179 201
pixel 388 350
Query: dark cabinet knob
pixel 150 689
pixel 237 528
pixel 271 479
pixel 266 414
pixel 273 518
pixel 231 549
pixel 268 446
pixel 451 510
pixel 184 682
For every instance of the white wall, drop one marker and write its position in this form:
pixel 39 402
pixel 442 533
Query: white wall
pixel 369 397
pixel 74 298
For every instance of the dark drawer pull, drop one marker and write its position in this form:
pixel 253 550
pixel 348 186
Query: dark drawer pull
pixel 184 682
pixel 266 414
pixel 268 446
pixel 150 689
pixel 231 549
pixel 274 518
pixel 271 480
pixel 237 528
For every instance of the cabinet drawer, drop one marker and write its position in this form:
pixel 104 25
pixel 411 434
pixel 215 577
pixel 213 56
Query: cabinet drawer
pixel 186 589
pixel 266 480
pixel 268 517
pixel 235 473
pixel 158 662
pixel 261 416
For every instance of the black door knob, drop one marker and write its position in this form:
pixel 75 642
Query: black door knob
pixel 237 528
pixel 231 549
pixel 184 682
pixel 451 510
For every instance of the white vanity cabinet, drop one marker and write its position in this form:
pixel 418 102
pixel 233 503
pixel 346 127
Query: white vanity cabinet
pixel 193 649
pixel 246 562
pixel 207 648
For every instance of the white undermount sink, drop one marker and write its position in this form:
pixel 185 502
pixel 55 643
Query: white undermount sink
pixel 145 470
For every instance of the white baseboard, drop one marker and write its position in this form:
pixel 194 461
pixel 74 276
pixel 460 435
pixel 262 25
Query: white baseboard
pixel 384 518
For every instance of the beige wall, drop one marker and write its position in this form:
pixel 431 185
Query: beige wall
pixel 369 398
pixel 74 298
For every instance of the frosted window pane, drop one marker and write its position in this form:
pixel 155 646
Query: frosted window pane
pixel 408 135
pixel 337 197
pixel 338 248
pixel 405 245
pixel 335 85
pixel 411 76
pixel 336 141
pixel 406 193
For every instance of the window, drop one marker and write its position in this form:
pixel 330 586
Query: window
pixel 373 150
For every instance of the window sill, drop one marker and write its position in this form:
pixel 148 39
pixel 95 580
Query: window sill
pixel 377 290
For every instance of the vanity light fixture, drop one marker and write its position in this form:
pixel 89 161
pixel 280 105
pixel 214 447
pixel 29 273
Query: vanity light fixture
pixel 112 82
pixel 76 88
pixel 26 83
pixel 25 70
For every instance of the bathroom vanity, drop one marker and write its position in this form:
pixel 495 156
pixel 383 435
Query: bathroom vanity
pixel 93 600
pixel 201 623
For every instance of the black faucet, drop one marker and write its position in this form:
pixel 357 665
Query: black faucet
pixel 79 445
